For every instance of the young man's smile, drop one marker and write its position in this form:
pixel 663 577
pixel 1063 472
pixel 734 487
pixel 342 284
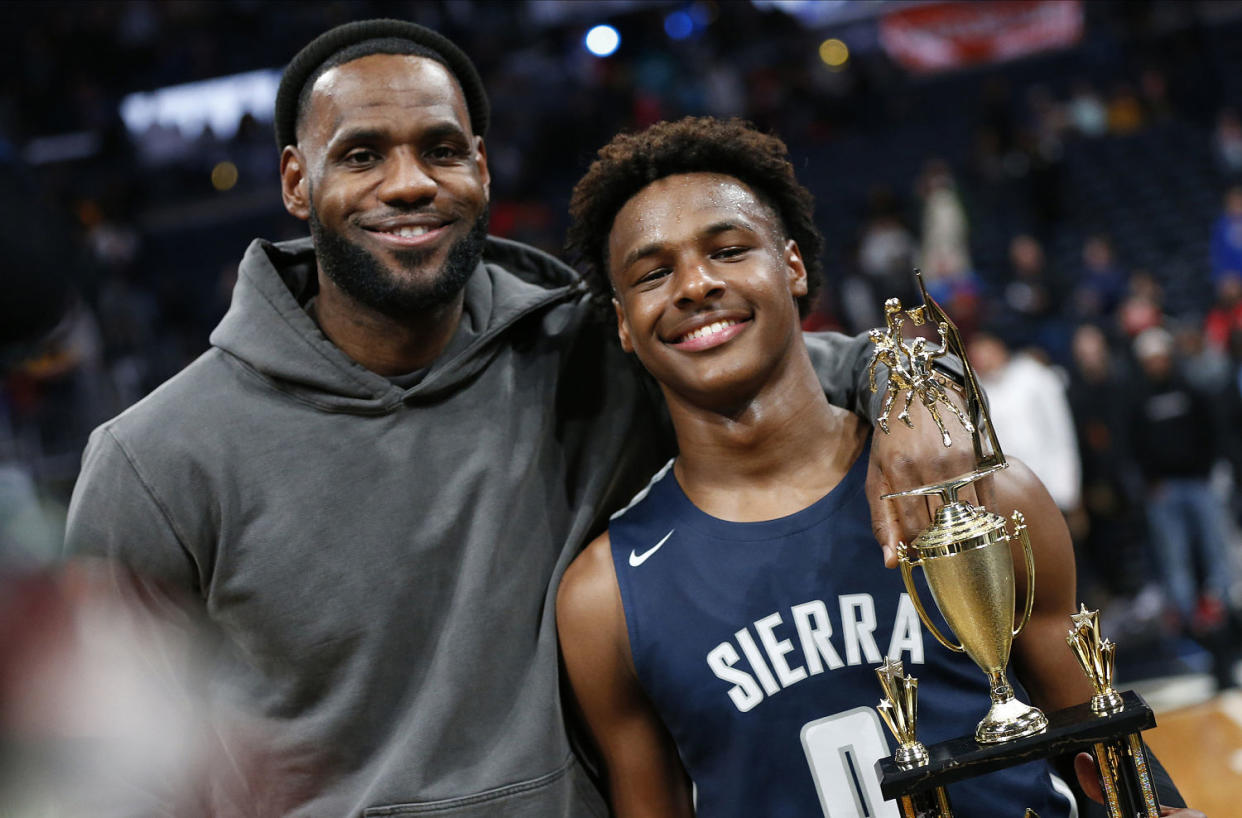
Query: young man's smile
pixel 707 332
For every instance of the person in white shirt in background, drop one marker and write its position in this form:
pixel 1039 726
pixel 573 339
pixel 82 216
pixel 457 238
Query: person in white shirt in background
pixel 1031 414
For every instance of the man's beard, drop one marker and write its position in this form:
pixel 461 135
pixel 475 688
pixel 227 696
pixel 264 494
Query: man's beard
pixel 364 278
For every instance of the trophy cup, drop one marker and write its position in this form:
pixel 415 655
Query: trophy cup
pixel 964 553
pixel 968 565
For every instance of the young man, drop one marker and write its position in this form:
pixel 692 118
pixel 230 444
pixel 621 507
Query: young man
pixel 722 636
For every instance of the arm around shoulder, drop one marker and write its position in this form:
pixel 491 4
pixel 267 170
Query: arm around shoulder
pixel 644 774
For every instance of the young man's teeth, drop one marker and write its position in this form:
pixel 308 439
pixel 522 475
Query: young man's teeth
pixel 710 329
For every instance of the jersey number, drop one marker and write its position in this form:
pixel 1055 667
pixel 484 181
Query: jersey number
pixel 842 751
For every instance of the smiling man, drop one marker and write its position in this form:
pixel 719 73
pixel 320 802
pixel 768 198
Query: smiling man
pixel 721 637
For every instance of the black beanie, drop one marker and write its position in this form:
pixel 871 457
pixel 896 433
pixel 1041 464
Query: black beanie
pixel 320 49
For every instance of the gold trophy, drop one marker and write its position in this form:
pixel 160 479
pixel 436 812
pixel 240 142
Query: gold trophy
pixel 967 562
pixel 965 552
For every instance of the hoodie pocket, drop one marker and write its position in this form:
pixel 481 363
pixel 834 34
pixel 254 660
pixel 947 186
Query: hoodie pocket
pixel 563 793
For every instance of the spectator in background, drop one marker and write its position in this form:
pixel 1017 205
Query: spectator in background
pixel 944 255
pixel 1125 112
pixel 1225 317
pixel 1103 281
pixel 1032 299
pixel 1173 436
pixel 1110 534
pixel 1231 417
pixel 1143 306
pixel 1227 237
pixel 1032 417
pixel 1087 114
pixel 886 256
pixel 1154 90
pixel 1203 365
pixel 1227 142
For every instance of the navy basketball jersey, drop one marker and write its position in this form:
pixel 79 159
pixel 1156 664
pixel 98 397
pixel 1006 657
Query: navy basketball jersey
pixel 757 643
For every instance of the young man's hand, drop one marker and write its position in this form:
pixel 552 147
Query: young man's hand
pixel 1089 780
pixel 906 458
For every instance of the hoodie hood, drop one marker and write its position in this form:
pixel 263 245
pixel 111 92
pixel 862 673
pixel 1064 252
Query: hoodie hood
pixel 268 330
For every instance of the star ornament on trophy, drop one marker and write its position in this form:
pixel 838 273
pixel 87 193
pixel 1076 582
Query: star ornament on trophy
pixel 1096 656
pixel 899 709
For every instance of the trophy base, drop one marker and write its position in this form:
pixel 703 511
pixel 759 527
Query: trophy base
pixel 1070 730
pixel 1009 720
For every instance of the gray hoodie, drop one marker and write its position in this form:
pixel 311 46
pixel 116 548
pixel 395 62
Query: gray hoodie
pixel 382 561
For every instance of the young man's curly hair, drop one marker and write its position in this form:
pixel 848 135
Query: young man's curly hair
pixel 732 147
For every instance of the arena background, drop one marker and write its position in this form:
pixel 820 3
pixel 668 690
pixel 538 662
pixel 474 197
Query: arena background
pixel 1049 164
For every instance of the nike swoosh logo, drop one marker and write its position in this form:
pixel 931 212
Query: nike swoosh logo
pixel 638 559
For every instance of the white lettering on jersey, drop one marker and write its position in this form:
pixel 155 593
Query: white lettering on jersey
pixel 858 627
pixel 777 649
pixel 907 632
pixel 744 693
pixel 771 669
pixel 756 661
pixel 814 637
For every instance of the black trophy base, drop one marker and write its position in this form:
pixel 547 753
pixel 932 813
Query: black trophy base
pixel 1071 730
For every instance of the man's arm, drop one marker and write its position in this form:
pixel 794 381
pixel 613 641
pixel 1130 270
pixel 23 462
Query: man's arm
pixel 644 774
pixel 1041 656
pixel 1042 659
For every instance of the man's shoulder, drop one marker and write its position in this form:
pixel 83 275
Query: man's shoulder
pixel 186 406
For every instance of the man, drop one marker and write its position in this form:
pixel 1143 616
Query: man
pixel 401 436
pixel 1173 431
pixel 733 607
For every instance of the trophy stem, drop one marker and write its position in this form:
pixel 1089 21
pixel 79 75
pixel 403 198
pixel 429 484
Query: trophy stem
pixel 1008 718
pixel 999 686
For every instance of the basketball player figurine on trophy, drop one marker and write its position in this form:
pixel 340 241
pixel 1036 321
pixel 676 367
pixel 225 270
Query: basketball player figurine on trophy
pixel 966 559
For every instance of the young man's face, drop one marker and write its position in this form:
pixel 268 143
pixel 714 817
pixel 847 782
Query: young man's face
pixel 705 286
pixel 393 181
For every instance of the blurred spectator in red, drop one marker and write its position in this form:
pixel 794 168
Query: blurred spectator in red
pixel 1143 306
pixel 1227 237
pixel 104 710
pixel 1225 317
pixel 1173 434
pixel 1103 281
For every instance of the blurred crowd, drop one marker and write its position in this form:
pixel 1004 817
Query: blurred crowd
pixel 1113 359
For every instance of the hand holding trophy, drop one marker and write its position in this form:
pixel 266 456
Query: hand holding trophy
pixel 964 553
pixel 966 557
